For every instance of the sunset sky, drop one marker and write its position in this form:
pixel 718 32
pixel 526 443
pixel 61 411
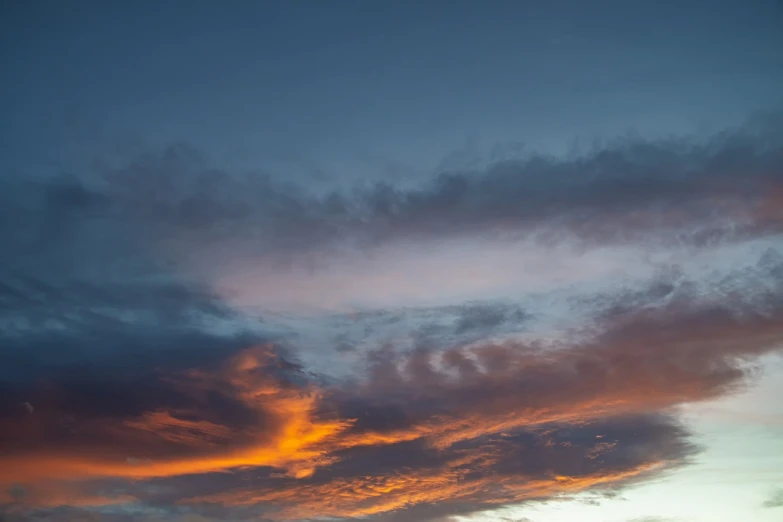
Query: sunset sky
pixel 438 261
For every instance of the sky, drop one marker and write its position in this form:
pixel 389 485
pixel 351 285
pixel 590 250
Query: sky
pixel 433 261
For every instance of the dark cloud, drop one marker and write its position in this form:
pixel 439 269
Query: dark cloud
pixel 425 434
pixel 444 444
pixel 128 384
pixel 105 346
pixel 176 204
pixel 480 472
pixel 433 327
pixel 723 186
pixel 80 284
pixel 486 316
pixel 653 354
pixel 123 514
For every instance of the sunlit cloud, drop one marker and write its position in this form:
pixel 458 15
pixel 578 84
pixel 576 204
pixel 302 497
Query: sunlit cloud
pixel 222 347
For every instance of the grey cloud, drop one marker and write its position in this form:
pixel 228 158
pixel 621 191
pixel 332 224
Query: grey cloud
pixel 435 327
pixel 80 284
pixel 80 353
pixel 719 188
pixel 775 500
pixel 120 325
pixel 659 357
pixel 757 287
pixel 686 343
pixel 25 298
pixel 486 316
pixel 97 302
pixel 125 514
pixel 600 195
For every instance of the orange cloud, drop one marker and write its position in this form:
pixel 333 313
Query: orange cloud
pixel 290 436
pixel 469 428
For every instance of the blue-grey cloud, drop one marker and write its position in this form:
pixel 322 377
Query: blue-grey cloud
pixel 706 189
pixel 128 378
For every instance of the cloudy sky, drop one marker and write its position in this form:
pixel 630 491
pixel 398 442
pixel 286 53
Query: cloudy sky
pixel 441 261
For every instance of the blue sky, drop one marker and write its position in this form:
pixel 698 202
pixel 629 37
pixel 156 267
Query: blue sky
pixel 432 261
pixel 313 83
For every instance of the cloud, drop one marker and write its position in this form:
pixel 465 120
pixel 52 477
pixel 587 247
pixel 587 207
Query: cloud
pixel 462 235
pixel 133 388
pixel 652 519
pixel 422 434
pixel 648 361
pixel 486 316
pixel 413 479
pixel 725 185
pixel 244 415
pixel 176 201
pixel 776 500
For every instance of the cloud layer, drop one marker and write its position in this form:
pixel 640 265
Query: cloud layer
pixel 184 343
